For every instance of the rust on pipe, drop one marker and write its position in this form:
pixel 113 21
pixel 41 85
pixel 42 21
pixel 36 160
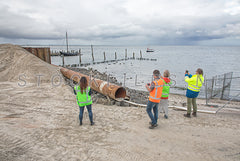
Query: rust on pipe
pixel 106 88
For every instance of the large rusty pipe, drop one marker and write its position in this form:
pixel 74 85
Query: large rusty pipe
pixel 106 88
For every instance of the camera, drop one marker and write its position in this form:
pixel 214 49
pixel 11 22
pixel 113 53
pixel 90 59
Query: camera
pixel 148 84
pixel 186 71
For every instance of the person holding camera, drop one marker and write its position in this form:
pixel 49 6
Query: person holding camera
pixel 195 83
pixel 155 93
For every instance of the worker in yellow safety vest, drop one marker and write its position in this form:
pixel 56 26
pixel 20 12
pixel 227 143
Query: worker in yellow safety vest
pixel 195 83
pixel 155 93
pixel 83 92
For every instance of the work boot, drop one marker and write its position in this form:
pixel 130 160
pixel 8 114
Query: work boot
pixel 194 114
pixel 92 123
pixel 165 116
pixel 187 115
pixel 80 123
pixel 153 126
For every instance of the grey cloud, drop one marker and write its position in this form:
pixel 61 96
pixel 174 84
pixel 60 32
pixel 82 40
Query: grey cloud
pixel 20 26
pixel 113 22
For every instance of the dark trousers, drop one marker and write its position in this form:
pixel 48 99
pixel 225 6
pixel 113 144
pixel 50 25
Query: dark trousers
pixel 89 108
pixel 153 116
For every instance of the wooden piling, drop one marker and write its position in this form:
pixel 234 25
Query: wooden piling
pixel 92 52
pixel 48 55
pixel 115 55
pixel 136 80
pixel 104 56
pixel 124 79
pixel 125 54
pixel 140 54
pixel 80 59
pixel 63 60
pixel 133 55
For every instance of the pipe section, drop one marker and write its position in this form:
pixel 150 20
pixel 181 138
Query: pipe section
pixel 106 88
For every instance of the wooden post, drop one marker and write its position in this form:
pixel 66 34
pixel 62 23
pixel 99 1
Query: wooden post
pixel 63 60
pixel 124 79
pixel 140 54
pixel 92 53
pixel 133 55
pixel 136 80
pixel 115 55
pixel 206 91
pixel 80 59
pixel 49 55
pixel 212 87
pixel 223 87
pixel 104 56
pixel 67 41
pixel 125 54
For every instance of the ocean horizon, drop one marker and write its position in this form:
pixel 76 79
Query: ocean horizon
pixel 133 73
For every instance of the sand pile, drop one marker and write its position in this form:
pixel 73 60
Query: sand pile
pixel 18 64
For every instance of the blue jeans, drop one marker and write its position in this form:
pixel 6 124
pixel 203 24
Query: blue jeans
pixel 154 106
pixel 89 108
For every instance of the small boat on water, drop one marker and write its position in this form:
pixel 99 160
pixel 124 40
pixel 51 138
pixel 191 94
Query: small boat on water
pixel 149 50
pixel 62 53
pixel 68 53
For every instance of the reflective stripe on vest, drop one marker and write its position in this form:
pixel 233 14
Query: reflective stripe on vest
pixel 196 87
pixel 193 89
pixel 79 94
pixel 166 85
pixel 165 94
pixel 157 86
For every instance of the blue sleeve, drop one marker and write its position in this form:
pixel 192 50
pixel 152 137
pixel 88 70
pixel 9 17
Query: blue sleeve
pixel 74 91
pixel 90 92
pixel 189 75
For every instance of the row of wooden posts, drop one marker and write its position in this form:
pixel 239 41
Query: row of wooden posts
pixel 109 61
pixel 104 56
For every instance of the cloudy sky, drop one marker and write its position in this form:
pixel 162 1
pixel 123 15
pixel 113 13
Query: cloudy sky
pixel 120 22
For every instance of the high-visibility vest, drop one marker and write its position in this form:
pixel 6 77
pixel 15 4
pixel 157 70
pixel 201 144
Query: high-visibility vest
pixel 195 82
pixel 166 88
pixel 83 99
pixel 156 93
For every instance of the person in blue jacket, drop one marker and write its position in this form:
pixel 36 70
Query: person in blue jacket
pixel 195 83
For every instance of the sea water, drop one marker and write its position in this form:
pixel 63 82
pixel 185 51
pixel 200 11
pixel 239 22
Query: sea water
pixel 177 59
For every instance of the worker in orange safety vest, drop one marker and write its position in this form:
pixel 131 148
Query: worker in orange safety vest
pixel 155 93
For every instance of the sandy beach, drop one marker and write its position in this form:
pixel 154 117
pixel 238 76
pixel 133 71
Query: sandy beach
pixel 39 121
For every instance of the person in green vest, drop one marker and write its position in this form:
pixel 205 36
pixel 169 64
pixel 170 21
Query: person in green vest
pixel 163 106
pixel 195 83
pixel 83 92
